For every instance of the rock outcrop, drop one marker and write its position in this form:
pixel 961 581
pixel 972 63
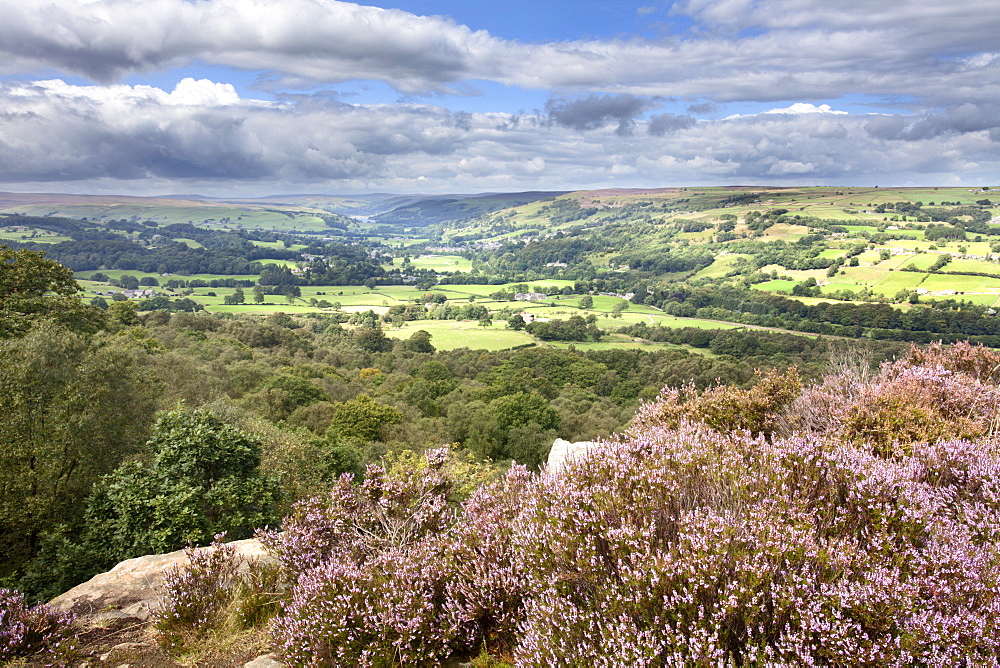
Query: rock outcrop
pixel 131 589
pixel 563 451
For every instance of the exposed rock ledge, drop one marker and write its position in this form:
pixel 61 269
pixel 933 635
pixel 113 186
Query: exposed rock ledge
pixel 131 589
pixel 563 451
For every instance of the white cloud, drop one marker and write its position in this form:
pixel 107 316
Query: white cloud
pixel 926 50
pixel 201 137
pixel 797 108
pixel 786 167
pixel 204 92
pixel 805 108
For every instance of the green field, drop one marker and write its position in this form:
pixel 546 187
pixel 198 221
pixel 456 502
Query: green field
pixel 922 261
pixel 190 243
pixel 280 263
pixel 775 286
pixel 723 264
pixel 33 235
pixel 442 263
pixel 451 334
pixel 962 284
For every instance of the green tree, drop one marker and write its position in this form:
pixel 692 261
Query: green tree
pixel 419 342
pixel 362 419
pixel 586 302
pixel 516 426
pixel 122 314
pixel 372 339
pixel 281 395
pixel 204 479
pixel 128 282
pixel 33 288
pixel 71 408
pixel 258 293
pixel 236 298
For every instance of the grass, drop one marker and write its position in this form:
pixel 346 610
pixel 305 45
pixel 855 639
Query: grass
pixel 960 283
pixel 25 235
pixel 723 264
pixel 623 342
pixel 969 266
pixel 785 232
pixel 895 281
pixel 923 261
pixel 452 334
pixel 775 286
pixel 280 263
pixel 983 299
pixel 442 263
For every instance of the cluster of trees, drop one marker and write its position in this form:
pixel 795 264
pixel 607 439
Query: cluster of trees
pixel 946 320
pixel 167 256
pixel 683 260
pixel 576 328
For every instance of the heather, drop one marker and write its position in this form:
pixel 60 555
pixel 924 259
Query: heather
pixel 217 598
pixel 27 630
pixel 686 539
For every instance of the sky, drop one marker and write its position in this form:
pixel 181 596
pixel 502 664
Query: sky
pixel 250 98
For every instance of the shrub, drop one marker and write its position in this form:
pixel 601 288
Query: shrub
pixel 205 479
pixel 933 393
pixel 195 593
pixel 215 589
pixel 384 575
pixel 725 408
pixel 25 631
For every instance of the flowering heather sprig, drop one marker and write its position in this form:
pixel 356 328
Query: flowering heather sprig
pixel 977 361
pixel 25 631
pixel 385 575
pixel 357 521
pixel 195 593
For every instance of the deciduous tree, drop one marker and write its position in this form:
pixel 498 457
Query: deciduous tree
pixel 33 288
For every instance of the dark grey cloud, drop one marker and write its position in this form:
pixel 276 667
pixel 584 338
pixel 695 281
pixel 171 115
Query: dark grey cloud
pixel 661 124
pixel 963 118
pixel 703 108
pixel 596 111
pixel 885 127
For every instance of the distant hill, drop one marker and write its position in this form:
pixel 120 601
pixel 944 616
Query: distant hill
pixel 423 211
pixel 384 208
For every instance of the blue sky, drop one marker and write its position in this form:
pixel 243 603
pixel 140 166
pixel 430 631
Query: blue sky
pixel 248 97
